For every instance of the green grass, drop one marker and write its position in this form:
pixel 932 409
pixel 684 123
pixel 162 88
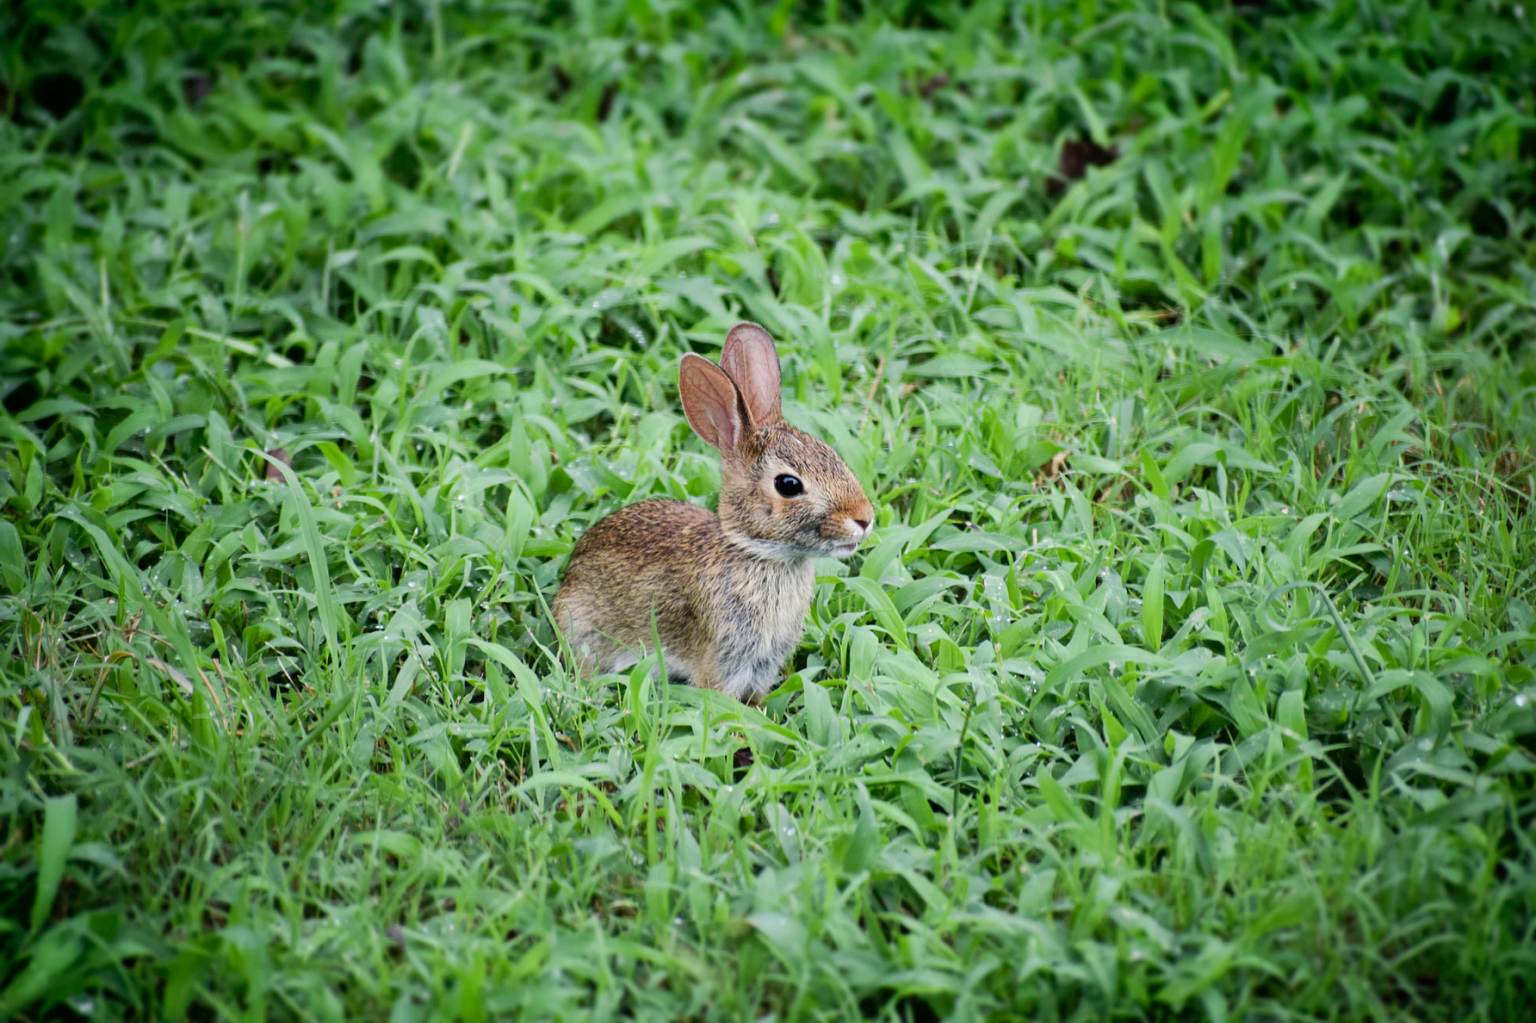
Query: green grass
pixel 1188 675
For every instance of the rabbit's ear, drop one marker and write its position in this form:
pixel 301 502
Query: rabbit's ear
pixel 712 403
pixel 751 361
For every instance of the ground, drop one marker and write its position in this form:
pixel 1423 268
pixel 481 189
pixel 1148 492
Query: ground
pixel 1184 350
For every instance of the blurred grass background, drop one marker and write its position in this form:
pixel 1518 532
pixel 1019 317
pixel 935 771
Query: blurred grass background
pixel 1185 350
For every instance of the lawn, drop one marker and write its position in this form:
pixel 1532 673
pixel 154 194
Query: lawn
pixel 1186 352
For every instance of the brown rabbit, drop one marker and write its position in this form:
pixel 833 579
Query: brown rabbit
pixel 729 593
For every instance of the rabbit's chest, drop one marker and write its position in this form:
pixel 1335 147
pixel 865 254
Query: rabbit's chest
pixel 766 617
pixel 782 608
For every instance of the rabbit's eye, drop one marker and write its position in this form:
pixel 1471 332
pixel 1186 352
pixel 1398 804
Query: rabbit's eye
pixel 787 485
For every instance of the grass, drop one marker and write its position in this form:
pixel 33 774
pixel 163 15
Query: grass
pixel 1186 354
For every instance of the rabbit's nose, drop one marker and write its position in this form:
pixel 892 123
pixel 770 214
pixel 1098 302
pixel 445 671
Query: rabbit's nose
pixel 863 524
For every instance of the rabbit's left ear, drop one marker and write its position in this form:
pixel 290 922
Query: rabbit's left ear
pixel 752 363
pixel 712 402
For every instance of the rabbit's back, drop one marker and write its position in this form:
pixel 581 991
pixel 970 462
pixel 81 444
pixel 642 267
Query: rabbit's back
pixel 642 559
pixel 653 529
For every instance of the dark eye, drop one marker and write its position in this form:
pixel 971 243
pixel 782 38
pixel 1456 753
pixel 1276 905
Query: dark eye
pixel 787 485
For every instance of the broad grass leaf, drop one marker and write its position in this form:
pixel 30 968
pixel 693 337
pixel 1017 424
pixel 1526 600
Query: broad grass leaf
pixel 1437 698
pixel 52 407
pixel 445 377
pixel 346 471
pixel 59 815
pixel 1063 807
pixel 1290 714
pixel 1132 713
pixel 405 847
pixel 314 546
pixel 920 533
pixel 863 650
pixel 1193 976
pixel 142 420
pixel 972 542
pixel 1096 464
pixel 948 367
pixel 823 726
pixel 1323 201
pixel 562 778
pixel 778 150
pixel 1154 475
pixel 1152 603
pixel 13 566
pixel 177 424
pixel 524 675
pixel 1094 656
pixel 784 934
pixel 880 605
pixel 349 370
pixel 1177 818
pixel 890 547
pixel 192 960
pixel 860 849
pixel 520 518
pixel 1296 541
pixel 54 954
pixel 405 681
pixel 123 574
pixel 1395 431
pixel 1206 343
pixel 786 830
pixel 997 205
pixel 607 211
pixel 669 252
pixel 1096 129
pixel 1245 708
pixel 1362 496
pixel 1465 806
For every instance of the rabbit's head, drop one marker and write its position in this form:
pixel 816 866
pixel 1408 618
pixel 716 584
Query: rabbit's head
pixel 784 495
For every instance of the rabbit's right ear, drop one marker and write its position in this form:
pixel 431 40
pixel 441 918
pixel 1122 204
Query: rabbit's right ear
pixel 711 402
pixel 751 361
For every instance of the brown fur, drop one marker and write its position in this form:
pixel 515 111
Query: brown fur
pixel 728 593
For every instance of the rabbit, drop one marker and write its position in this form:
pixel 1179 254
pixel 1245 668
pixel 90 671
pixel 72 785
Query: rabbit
pixel 728 592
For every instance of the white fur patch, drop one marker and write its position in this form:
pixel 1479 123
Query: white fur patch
pixel 768 550
pixel 742 686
